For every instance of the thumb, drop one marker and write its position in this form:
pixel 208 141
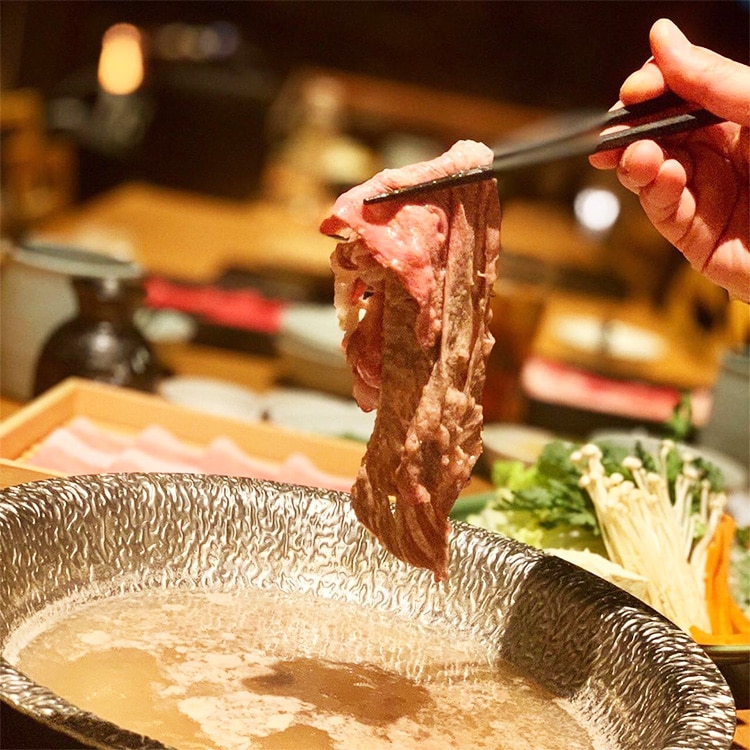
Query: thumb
pixel 699 75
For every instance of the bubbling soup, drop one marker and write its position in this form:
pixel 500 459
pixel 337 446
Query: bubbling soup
pixel 269 670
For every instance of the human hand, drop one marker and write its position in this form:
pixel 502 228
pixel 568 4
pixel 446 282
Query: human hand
pixel 694 187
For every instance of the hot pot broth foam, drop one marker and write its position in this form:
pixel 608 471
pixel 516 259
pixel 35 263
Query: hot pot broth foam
pixel 268 670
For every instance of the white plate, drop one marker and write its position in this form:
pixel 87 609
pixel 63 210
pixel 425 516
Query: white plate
pixel 214 396
pixel 296 408
pixel 318 413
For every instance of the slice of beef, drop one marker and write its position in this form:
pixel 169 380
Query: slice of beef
pixel 412 285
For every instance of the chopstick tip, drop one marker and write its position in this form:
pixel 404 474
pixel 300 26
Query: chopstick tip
pixel 379 198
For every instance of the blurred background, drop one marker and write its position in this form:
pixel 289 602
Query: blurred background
pixel 205 141
pixel 211 70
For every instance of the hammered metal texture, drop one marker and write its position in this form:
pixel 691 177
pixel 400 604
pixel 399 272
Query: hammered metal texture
pixel 634 674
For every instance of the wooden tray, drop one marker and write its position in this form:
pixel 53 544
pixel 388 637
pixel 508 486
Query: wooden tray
pixel 127 412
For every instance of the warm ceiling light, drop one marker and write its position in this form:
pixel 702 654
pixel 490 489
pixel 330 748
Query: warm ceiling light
pixel 121 60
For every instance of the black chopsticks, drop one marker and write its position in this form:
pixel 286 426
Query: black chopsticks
pixel 673 115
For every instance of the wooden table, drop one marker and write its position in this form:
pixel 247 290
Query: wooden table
pixel 742 734
pixel 194 237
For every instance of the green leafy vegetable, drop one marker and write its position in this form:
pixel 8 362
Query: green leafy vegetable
pixel 544 504
pixel 549 489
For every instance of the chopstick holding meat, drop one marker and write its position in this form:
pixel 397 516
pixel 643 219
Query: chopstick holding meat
pixel 412 287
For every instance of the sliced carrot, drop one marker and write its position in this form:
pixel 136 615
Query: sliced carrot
pixel 721 598
pixel 718 596
pixel 729 624
pixel 740 621
pixel 722 575
pixel 701 636
pixel 712 639
pixel 718 604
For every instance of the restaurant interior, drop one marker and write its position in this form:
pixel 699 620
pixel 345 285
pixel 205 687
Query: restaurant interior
pixel 166 166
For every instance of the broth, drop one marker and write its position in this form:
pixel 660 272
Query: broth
pixel 263 670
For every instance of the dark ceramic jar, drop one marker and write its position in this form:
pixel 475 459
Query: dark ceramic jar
pixel 101 342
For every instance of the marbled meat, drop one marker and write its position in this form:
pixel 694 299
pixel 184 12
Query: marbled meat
pixel 413 280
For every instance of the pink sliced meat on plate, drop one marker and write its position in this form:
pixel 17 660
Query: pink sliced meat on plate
pixel 64 451
pixel 224 456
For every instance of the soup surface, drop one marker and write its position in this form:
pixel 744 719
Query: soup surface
pixel 260 669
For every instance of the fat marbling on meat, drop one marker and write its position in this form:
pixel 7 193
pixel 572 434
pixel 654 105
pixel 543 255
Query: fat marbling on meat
pixel 413 280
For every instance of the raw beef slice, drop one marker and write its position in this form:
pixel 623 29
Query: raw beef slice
pixel 412 285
